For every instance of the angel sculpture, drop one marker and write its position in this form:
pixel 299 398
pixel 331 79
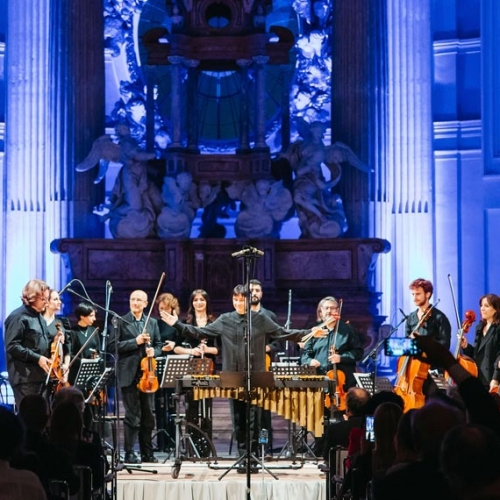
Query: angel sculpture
pixel 180 202
pixel 264 205
pixel 135 200
pixel 320 212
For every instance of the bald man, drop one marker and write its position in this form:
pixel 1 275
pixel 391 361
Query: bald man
pixel 134 340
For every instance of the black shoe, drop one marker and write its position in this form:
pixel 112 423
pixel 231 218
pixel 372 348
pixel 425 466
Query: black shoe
pixel 132 458
pixel 242 468
pixel 150 459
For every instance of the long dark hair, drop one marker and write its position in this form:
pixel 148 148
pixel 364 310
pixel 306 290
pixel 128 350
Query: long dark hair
pixel 493 301
pixel 191 315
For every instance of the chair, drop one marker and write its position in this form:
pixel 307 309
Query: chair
pixel 58 490
pixel 86 490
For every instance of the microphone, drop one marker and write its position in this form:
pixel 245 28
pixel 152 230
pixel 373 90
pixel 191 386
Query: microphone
pixel 109 287
pixel 403 313
pixel 65 287
pixel 248 250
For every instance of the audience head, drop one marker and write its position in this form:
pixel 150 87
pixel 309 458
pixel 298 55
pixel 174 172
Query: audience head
pixel 71 394
pixel 469 459
pixel 356 400
pixel 383 397
pixel 11 433
pixel 430 425
pixel 34 412
pixel 403 441
pixel 385 425
pixel 66 425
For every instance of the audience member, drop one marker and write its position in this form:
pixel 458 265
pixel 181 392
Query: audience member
pixel 51 464
pixel 469 459
pixel 15 484
pixel 337 433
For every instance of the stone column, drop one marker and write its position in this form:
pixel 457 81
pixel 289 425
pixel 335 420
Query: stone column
pixel 244 146
pixel 260 97
pixel 48 49
pixel 192 119
pixel 176 107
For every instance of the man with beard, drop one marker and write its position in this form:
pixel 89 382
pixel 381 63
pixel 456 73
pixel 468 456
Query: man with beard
pixel 271 349
pixel 27 342
pixel 427 321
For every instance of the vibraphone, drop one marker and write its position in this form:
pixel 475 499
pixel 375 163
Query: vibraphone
pixel 299 399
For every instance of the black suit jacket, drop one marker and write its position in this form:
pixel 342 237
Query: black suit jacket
pixel 129 353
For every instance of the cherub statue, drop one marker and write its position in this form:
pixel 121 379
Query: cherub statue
pixel 264 205
pixel 135 200
pixel 320 212
pixel 180 202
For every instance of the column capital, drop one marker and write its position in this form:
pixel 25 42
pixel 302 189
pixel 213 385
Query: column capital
pixel 260 60
pixel 191 63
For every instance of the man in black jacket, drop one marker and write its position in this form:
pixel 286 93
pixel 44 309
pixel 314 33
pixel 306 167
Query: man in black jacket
pixel 27 342
pixel 134 340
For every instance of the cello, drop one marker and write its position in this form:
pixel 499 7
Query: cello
pixel 149 381
pixel 412 373
pixel 339 397
pixel 470 317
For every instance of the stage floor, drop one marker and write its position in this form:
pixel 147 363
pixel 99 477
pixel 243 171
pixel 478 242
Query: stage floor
pixel 199 481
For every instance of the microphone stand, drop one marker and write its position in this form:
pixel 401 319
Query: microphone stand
pixel 373 353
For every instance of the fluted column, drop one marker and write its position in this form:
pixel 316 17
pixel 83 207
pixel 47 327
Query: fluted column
pixel 176 113
pixel 409 158
pixel 45 51
pixel 260 97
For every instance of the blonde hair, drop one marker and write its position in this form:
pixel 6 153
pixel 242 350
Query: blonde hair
pixel 33 290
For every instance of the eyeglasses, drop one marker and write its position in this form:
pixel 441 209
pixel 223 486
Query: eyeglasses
pixel 330 308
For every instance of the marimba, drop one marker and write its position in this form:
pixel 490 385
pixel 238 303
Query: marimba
pixel 299 399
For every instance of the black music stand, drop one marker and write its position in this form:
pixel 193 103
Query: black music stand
pixel 365 381
pixel 89 371
pixel 160 370
pixel 176 367
pixel 297 439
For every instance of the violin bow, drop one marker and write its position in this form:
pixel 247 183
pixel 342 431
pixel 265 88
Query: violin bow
pixel 76 356
pixel 160 283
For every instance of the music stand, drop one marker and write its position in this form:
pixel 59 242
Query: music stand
pixel 365 381
pixel 176 366
pixel 100 384
pixel 88 369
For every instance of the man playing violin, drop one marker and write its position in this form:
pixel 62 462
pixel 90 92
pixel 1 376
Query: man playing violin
pixel 341 347
pixel 136 337
pixel 27 343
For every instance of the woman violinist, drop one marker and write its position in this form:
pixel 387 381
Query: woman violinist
pixel 58 337
pixel 486 348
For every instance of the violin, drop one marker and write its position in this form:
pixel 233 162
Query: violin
pixel 149 381
pixel 338 399
pixel 412 373
pixel 56 372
